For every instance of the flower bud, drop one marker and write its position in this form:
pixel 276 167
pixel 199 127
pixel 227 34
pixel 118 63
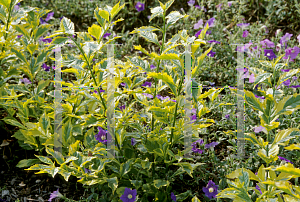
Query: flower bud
pixel 277 32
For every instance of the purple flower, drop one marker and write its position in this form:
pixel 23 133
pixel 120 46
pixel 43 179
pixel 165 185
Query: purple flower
pixel 148 95
pixel 227 116
pixel 243 25
pixel 197 6
pixel 133 141
pixel 257 187
pixel 61 18
pixel 55 194
pixel 152 67
pixel 230 3
pixel 46 68
pixel 140 6
pixel 191 2
pixel 147 84
pixel 212 144
pixel 286 160
pixel 219 6
pixel 173 197
pixel 19 36
pixel 292 52
pixel 16 7
pixel 285 70
pixel 194 111
pixel 129 195
pixel 297 86
pixel 294 78
pixel 47 40
pixel 287 82
pixel 49 16
pixel 42 21
pixel 211 54
pixel 260 97
pixel 211 190
pixel 101 91
pixel 213 41
pixel 267 44
pixel 285 38
pixel 101 136
pixel 87 170
pixel 269 53
pixel 25 81
pixel 193 118
pixel 196 146
pixel 210 22
pixel 298 37
pixel 123 84
pixel 259 129
pixel 173 100
pixel 106 35
pixel 122 107
pixel 251 78
pixel 198 24
pixel 245 33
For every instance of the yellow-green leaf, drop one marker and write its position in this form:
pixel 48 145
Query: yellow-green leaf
pixel 5 3
pixel 165 78
pixel 31 48
pixel 200 61
pixel 160 183
pixel 95 30
pixel 104 14
pixel 115 10
pixel 293 147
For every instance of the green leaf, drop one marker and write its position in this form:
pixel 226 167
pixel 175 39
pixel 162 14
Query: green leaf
pixel 293 147
pixel 173 17
pixel 203 32
pixel 261 78
pixel 157 11
pixel 170 56
pixel 289 168
pixel 113 183
pixel 125 167
pixel 287 75
pixel 44 122
pixel 60 40
pixel 74 147
pixel 168 4
pixel 27 162
pixel 95 30
pixel 144 29
pixel 64 173
pixel 200 60
pixel 42 84
pixel 31 48
pixel 287 105
pixel 285 135
pixel 166 79
pixel 149 36
pixel 244 177
pixel 14 122
pixel 186 167
pixel 22 29
pixel 67 26
pixel 45 160
pixel 100 20
pixel 41 30
pixel 20 55
pixel 58 156
pixel 136 183
pixel 266 64
pixel 160 183
pixel 272 156
pixel 5 3
pixel 67 133
pixel 252 101
pixel 90 48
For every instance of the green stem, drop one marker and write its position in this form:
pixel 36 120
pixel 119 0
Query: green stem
pixel 82 52
pixel 8 19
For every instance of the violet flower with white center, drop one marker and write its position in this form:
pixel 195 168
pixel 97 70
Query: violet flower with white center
pixel 196 146
pixel 140 6
pixel 245 33
pixel 211 190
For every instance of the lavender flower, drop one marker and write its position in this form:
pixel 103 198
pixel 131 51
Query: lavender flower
pixel 133 141
pixel 148 95
pixel 129 195
pixel 211 190
pixel 49 16
pixel 42 21
pixel 298 38
pixel 287 82
pixel 285 70
pixel 260 97
pixel 296 86
pixel 191 2
pixel 86 170
pixel 251 78
pixel 243 25
pixel 267 44
pixel 122 107
pixel 25 81
pixel 292 52
pixel 55 194
pixel 227 116
pixel 123 84
pixel 19 36
pixel 212 144
pixel 152 67
pixel 285 39
pixel 259 129
pixel 210 22
pixel 213 41
pixel 245 33
pixel 198 24
pixel 284 159
pixel 219 7
pixel 140 6
pixel 46 40
pixel 230 3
